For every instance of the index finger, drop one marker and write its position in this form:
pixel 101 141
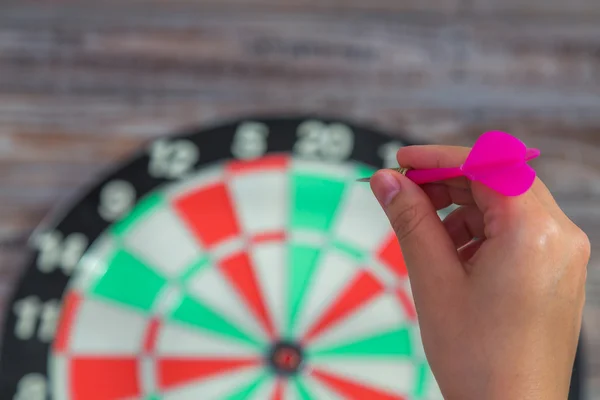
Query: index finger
pixel 435 156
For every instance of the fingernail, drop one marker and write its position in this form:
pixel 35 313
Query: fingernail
pixel 385 187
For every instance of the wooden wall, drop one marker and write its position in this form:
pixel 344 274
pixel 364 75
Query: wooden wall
pixel 83 85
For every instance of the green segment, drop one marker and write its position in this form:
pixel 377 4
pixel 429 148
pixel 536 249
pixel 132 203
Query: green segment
pixel 247 391
pixel 192 312
pixel 144 206
pixel 195 268
pixel 315 201
pixel 302 390
pixel 129 281
pixel 422 375
pixel 302 268
pixel 350 250
pixel 394 343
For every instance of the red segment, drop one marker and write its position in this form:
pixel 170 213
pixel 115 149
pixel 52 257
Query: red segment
pixel 362 289
pixel 151 335
pixel 67 318
pixel 100 378
pixel 275 236
pixel 209 213
pixel 391 254
pixel 176 371
pixel 238 270
pixel 352 390
pixel 279 390
pixel 263 163
pixel 407 303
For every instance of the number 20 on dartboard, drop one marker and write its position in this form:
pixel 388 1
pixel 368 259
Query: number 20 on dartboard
pixel 329 142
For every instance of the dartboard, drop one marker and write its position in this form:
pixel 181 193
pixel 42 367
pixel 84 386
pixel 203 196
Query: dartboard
pixel 239 261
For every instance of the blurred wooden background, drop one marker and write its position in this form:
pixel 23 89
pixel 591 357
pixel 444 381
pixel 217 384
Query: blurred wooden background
pixel 83 85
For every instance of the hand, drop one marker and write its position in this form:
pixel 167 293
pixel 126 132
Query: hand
pixel 499 286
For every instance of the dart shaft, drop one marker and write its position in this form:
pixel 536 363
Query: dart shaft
pixel 421 176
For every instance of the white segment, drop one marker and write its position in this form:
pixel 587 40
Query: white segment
pixel 382 314
pixel 334 273
pixel 216 387
pixel 192 182
pixel 58 374
pixel 211 288
pixel 433 392
pixel 167 299
pixel 261 200
pixel 396 376
pixel 319 390
pixel 161 239
pixel 179 340
pixel 290 392
pixel 225 249
pixel 337 171
pixel 417 344
pixel 264 391
pixel 443 213
pixel 147 373
pixel 308 237
pixel 383 273
pixel 270 263
pixel 361 222
pixel 90 335
pixel 93 264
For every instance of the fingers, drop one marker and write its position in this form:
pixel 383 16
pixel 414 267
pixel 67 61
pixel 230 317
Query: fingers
pixel 428 251
pixel 464 224
pixel 502 210
pixel 442 196
pixel 466 252
pixel 435 156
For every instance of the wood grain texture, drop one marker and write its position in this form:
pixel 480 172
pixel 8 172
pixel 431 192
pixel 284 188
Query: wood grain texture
pixel 83 85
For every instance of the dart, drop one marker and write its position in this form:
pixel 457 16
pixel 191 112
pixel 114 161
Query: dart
pixel 497 159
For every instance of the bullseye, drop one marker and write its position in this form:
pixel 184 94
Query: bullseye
pixel 286 358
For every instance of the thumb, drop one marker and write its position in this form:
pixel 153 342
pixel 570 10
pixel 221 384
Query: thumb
pixel 429 253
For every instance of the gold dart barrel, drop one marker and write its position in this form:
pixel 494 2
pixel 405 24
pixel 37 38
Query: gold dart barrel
pixel 402 170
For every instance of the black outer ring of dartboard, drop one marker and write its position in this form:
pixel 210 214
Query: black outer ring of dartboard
pixel 23 357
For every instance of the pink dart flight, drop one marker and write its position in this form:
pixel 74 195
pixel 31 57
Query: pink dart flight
pixel 497 159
